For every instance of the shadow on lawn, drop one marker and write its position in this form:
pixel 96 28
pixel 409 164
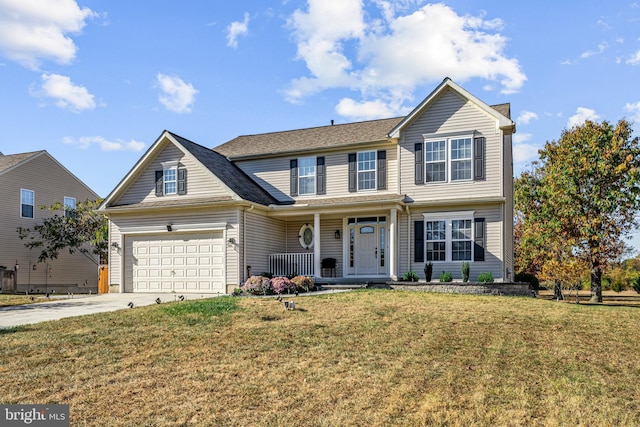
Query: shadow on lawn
pixel 609 298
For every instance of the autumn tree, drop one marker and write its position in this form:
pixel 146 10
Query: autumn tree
pixel 80 230
pixel 580 199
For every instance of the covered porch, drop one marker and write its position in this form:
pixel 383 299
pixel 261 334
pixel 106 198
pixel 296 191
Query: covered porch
pixel 340 245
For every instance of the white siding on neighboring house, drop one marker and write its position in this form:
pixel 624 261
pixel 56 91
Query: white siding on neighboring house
pixel 200 182
pixel 451 113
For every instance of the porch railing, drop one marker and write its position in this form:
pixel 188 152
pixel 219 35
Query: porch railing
pixel 300 264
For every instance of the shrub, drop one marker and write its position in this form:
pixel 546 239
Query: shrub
pixel 304 283
pixel 446 277
pixel 237 292
pixel 485 277
pixel 635 282
pixel 267 274
pixel 411 276
pixel 466 267
pixel 617 285
pixel 528 278
pixel 258 285
pixel 428 271
pixel 282 285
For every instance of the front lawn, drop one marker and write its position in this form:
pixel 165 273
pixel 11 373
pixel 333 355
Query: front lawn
pixel 365 358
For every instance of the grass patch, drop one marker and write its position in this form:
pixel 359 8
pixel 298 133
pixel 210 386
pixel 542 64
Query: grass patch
pixel 374 358
pixel 201 311
pixel 7 300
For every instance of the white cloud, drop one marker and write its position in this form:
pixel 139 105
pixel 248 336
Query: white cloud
pixel 176 96
pixel 34 30
pixel 582 114
pixel 634 59
pixel 85 142
pixel 523 152
pixel 67 95
pixel 365 110
pixel 526 116
pixel 237 29
pixel 386 59
pixel 601 48
pixel 634 110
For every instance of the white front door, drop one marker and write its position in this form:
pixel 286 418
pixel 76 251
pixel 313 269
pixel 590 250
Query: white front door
pixel 367 249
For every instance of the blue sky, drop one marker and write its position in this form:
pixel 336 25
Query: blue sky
pixel 95 82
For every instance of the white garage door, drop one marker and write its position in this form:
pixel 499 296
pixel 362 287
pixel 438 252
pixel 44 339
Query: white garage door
pixel 172 262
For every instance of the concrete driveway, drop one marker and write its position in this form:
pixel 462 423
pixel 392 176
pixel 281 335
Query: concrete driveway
pixel 82 305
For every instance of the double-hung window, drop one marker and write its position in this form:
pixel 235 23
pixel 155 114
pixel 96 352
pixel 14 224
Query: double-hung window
pixel 306 175
pixel 69 206
pixel 461 240
pixel 436 160
pixel 460 159
pixel 27 202
pixel 450 159
pixel 436 240
pixel 170 177
pixel 449 237
pixel 366 170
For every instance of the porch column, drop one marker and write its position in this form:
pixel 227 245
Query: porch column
pixel 393 256
pixel 316 245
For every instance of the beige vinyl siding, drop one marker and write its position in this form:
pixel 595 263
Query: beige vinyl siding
pixel 451 113
pixel 180 220
pixel 264 236
pixel 273 174
pixel 200 182
pixel 493 250
pixel 330 247
pixel 50 183
pixel 509 208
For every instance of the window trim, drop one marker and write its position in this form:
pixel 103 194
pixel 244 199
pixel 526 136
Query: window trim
pixel 314 165
pixel 374 170
pixel 33 206
pixel 448 218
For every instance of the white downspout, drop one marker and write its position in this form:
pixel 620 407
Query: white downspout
pixel 316 245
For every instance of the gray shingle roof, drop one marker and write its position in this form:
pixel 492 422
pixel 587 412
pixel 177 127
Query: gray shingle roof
pixel 228 172
pixel 308 139
pixel 9 161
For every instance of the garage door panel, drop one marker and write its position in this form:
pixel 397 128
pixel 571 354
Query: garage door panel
pixel 185 262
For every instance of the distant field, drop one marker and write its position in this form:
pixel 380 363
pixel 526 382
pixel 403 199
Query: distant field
pixel 364 358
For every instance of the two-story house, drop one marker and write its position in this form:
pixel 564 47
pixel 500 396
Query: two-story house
pixel 368 200
pixel 27 182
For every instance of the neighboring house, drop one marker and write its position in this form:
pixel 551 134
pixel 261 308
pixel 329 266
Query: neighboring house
pixel 27 182
pixel 379 197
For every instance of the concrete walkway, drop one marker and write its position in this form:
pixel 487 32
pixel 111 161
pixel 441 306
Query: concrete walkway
pixel 81 305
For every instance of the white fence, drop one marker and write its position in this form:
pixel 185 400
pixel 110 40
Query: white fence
pixel 291 264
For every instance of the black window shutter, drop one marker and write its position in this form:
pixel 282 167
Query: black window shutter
pixel 293 168
pixel 382 169
pixel 182 181
pixel 418 240
pixel 321 181
pixel 159 184
pixel 478 159
pixel 419 164
pixel 480 240
pixel 353 173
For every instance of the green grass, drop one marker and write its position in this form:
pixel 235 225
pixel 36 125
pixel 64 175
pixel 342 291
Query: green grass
pixel 366 358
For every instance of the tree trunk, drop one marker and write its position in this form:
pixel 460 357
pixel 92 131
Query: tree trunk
pixel 557 291
pixel 596 283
